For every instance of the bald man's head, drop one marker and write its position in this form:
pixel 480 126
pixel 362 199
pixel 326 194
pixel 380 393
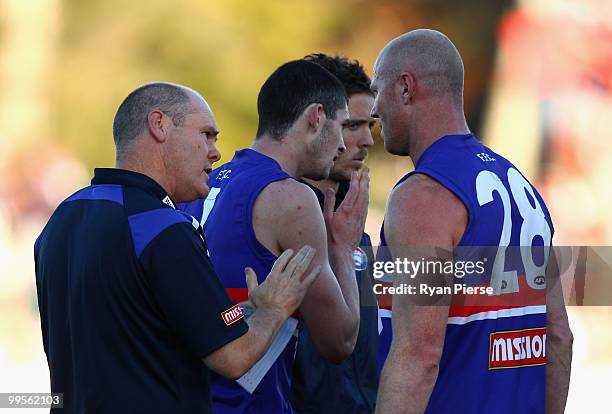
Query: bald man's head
pixel 167 131
pixel 418 83
pixel 429 56
pixel 131 116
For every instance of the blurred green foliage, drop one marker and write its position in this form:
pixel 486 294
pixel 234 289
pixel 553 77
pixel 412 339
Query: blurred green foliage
pixel 225 49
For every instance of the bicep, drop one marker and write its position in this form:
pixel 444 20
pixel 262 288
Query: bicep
pixel 305 226
pixel 422 222
pixel 301 223
pixel 292 210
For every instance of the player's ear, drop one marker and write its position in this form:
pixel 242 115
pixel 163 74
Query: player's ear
pixel 158 124
pixel 407 85
pixel 314 116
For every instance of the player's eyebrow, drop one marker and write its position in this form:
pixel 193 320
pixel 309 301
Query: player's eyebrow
pixel 365 120
pixel 212 132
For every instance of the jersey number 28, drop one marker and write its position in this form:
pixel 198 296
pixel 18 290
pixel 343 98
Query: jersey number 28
pixel 534 224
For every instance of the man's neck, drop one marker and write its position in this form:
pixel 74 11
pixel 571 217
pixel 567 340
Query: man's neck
pixel 151 170
pixel 282 151
pixel 435 127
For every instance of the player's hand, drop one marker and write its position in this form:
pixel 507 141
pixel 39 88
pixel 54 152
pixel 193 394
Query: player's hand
pixel 285 287
pixel 345 225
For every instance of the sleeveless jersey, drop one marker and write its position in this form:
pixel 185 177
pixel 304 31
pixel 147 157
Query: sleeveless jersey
pixel 494 351
pixel 226 215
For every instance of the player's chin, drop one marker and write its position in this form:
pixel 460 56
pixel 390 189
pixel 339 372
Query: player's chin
pixel 342 173
pixel 393 148
pixel 318 174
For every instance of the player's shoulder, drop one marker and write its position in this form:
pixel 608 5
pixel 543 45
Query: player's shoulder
pixel 286 198
pixel 288 191
pixel 421 189
pixel 422 203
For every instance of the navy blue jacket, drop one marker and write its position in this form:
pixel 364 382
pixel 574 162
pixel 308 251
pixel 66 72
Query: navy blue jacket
pixel 129 301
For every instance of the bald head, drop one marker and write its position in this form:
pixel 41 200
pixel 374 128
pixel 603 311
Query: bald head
pixel 430 56
pixel 176 101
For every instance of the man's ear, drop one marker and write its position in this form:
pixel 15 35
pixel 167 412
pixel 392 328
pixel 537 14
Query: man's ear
pixel 157 123
pixel 408 87
pixel 314 116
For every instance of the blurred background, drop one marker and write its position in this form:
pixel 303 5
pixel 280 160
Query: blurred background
pixel 538 90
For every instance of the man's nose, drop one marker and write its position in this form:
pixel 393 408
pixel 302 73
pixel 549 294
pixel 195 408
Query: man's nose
pixel 374 111
pixel 341 146
pixel 366 140
pixel 213 153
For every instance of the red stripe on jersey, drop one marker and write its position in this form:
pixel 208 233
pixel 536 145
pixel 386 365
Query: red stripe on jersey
pixel 465 305
pixel 469 304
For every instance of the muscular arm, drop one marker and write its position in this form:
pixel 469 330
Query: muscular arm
pixel 559 341
pixel 287 215
pixel 423 219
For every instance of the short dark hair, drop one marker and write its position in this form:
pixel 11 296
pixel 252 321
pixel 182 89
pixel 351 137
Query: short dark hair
pixel 131 116
pixel 290 89
pixel 349 72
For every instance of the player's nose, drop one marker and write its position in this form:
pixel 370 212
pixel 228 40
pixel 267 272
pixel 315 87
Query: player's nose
pixel 374 110
pixel 341 145
pixel 366 140
pixel 213 153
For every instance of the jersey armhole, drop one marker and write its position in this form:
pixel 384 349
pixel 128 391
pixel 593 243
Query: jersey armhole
pixel 446 183
pixel 261 252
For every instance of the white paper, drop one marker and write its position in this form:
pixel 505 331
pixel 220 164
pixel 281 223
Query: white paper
pixel 253 377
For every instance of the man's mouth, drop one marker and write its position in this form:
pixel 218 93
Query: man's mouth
pixel 361 157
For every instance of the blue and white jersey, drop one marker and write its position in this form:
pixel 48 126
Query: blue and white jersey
pixel 494 351
pixel 226 215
